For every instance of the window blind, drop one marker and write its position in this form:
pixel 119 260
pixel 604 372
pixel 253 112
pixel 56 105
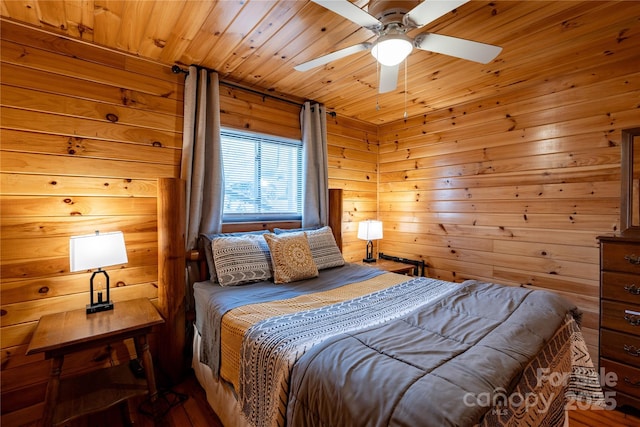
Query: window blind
pixel 263 177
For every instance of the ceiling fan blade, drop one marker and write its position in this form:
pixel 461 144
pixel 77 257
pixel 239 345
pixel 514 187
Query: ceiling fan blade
pixel 352 12
pixel 388 78
pixel 306 66
pixel 454 46
pixel 429 11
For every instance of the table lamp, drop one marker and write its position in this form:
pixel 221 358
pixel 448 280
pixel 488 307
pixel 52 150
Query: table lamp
pixel 369 230
pixel 96 251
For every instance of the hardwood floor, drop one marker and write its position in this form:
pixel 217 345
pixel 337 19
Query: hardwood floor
pixel 195 412
pixel 597 418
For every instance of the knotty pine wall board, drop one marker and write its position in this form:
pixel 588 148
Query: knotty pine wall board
pixel 83 141
pixel 353 157
pixel 516 188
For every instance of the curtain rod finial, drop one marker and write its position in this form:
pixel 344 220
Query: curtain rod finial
pixel 177 70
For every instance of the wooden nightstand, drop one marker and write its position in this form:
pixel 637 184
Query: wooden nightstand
pixel 62 333
pixel 392 266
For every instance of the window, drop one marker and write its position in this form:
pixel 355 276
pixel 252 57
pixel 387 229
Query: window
pixel 263 177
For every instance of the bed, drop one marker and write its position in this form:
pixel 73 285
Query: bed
pixel 350 345
pixel 310 340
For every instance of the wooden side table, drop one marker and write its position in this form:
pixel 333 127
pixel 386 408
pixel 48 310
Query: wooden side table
pixel 392 266
pixel 62 333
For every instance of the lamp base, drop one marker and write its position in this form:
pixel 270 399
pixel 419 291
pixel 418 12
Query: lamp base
pixel 369 253
pixel 101 306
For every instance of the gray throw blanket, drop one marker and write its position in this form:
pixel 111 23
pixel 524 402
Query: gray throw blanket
pixel 437 366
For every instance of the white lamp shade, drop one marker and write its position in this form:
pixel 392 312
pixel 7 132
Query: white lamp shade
pixel 370 230
pixel 392 49
pixel 97 250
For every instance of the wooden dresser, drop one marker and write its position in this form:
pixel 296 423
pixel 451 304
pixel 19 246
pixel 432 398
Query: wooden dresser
pixel 620 317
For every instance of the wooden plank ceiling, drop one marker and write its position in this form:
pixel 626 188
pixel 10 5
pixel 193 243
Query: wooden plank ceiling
pixel 256 44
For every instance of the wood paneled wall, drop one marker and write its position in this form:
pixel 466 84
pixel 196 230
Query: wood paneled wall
pixel 353 156
pixel 515 189
pixel 85 133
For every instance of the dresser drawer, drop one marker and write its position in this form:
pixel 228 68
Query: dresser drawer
pixel 620 316
pixel 620 347
pixel 621 256
pixel 628 377
pixel 621 286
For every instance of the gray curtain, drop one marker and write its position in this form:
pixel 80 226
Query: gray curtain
pixel 201 165
pixel 315 196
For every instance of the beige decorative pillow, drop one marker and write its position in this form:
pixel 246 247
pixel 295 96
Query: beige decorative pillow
pixel 324 249
pixel 291 257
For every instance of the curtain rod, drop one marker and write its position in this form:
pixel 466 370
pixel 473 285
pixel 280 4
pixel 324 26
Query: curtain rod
pixel 177 70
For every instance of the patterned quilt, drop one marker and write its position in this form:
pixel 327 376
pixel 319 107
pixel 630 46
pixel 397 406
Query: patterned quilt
pixel 265 320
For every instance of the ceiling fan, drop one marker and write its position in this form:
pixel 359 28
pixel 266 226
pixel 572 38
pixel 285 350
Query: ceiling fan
pixel 390 21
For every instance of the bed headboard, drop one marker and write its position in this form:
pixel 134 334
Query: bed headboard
pixel 335 214
pixel 172 262
pixel 171 276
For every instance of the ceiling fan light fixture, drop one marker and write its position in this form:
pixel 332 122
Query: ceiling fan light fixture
pixel 392 49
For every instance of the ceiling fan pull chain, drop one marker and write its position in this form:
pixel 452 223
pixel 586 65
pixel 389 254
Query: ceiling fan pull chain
pixel 378 91
pixel 405 87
